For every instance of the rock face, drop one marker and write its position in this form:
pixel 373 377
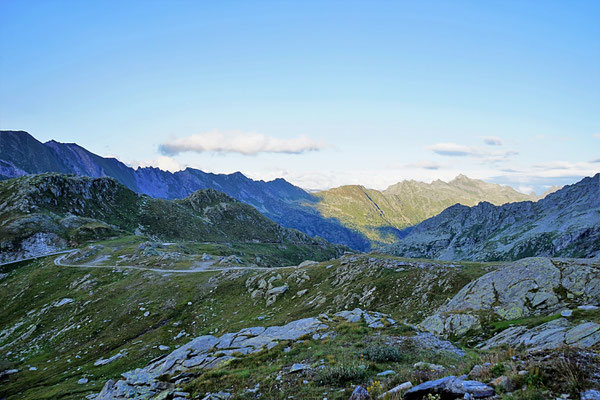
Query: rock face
pixel 373 320
pixel 208 351
pixel 203 352
pixel 532 286
pixel 450 387
pixel 563 224
pixel 551 335
pixel 284 203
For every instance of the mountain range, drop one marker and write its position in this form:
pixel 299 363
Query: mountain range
pixel 565 223
pixel 381 215
pixel 355 216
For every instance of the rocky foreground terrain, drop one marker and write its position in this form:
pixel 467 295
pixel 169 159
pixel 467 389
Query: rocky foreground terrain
pixel 85 325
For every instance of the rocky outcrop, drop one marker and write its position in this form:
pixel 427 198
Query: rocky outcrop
pixel 532 286
pixel 208 351
pixel 563 224
pixel 373 320
pixel 450 387
pixel 203 352
pixel 551 335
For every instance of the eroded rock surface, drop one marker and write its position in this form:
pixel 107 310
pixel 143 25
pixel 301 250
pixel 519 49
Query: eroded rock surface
pixel 551 335
pixel 205 352
pixel 528 287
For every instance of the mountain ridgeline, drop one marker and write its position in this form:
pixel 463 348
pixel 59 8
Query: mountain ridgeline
pixel 284 203
pixel 351 215
pixel 46 212
pixel 565 223
pixel 381 215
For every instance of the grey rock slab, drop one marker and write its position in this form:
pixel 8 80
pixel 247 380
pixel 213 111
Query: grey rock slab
pixel 590 395
pixel 62 302
pixel 298 367
pixel 450 387
pixel 373 319
pixel 550 335
pixel 359 393
pixel 102 361
pixel 396 389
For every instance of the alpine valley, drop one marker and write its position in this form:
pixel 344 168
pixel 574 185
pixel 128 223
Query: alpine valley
pixel 119 283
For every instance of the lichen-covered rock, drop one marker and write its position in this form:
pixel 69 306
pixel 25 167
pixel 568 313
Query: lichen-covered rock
pixel 456 324
pixel 360 393
pixel 532 286
pixel 372 319
pixel 551 335
pixel 450 387
pixel 590 395
pixel 204 352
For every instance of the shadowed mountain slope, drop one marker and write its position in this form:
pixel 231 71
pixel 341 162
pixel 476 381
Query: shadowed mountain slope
pixel 565 223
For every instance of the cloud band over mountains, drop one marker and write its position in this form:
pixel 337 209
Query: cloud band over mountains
pixel 458 150
pixel 246 143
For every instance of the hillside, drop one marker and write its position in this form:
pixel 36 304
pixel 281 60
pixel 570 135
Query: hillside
pixel 284 203
pixel 565 223
pixel 42 213
pixel 72 332
pixel 380 215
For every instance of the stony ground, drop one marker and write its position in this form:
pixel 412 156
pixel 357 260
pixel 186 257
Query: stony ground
pixel 295 332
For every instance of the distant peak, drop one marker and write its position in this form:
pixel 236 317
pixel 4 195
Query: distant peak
pixel 237 174
pixel 462 177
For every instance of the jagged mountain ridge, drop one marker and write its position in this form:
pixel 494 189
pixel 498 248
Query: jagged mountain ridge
pixel 355 216
pixel 381 215
pixel 565 223
pixel 49 211
pixel 284 203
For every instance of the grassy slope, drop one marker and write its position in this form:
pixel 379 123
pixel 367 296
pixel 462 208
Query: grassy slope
pixel 79 208
pixel 105 317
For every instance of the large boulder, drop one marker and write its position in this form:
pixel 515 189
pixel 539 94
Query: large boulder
pixel 372 319
pixel 450 387
pixel 551 335
pixel 528 287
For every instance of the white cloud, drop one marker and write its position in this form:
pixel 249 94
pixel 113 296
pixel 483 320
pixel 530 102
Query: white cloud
pixel 247 143
pixel 492 141
pixel 457 150
pixel 162 162
pixel 597 135
pixel 425 164
pixel 525 189
pixel 452 149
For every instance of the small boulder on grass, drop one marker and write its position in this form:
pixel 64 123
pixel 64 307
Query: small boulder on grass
pixel 360 393
pixel 503 383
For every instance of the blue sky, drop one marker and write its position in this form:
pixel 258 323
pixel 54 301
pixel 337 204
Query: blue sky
pixel 320 93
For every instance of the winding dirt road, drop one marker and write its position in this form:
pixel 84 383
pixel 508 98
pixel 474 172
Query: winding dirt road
pixel 207 266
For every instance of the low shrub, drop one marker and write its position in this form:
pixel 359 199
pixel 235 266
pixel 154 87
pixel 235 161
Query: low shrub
pixel 339 375
pixel 383 353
